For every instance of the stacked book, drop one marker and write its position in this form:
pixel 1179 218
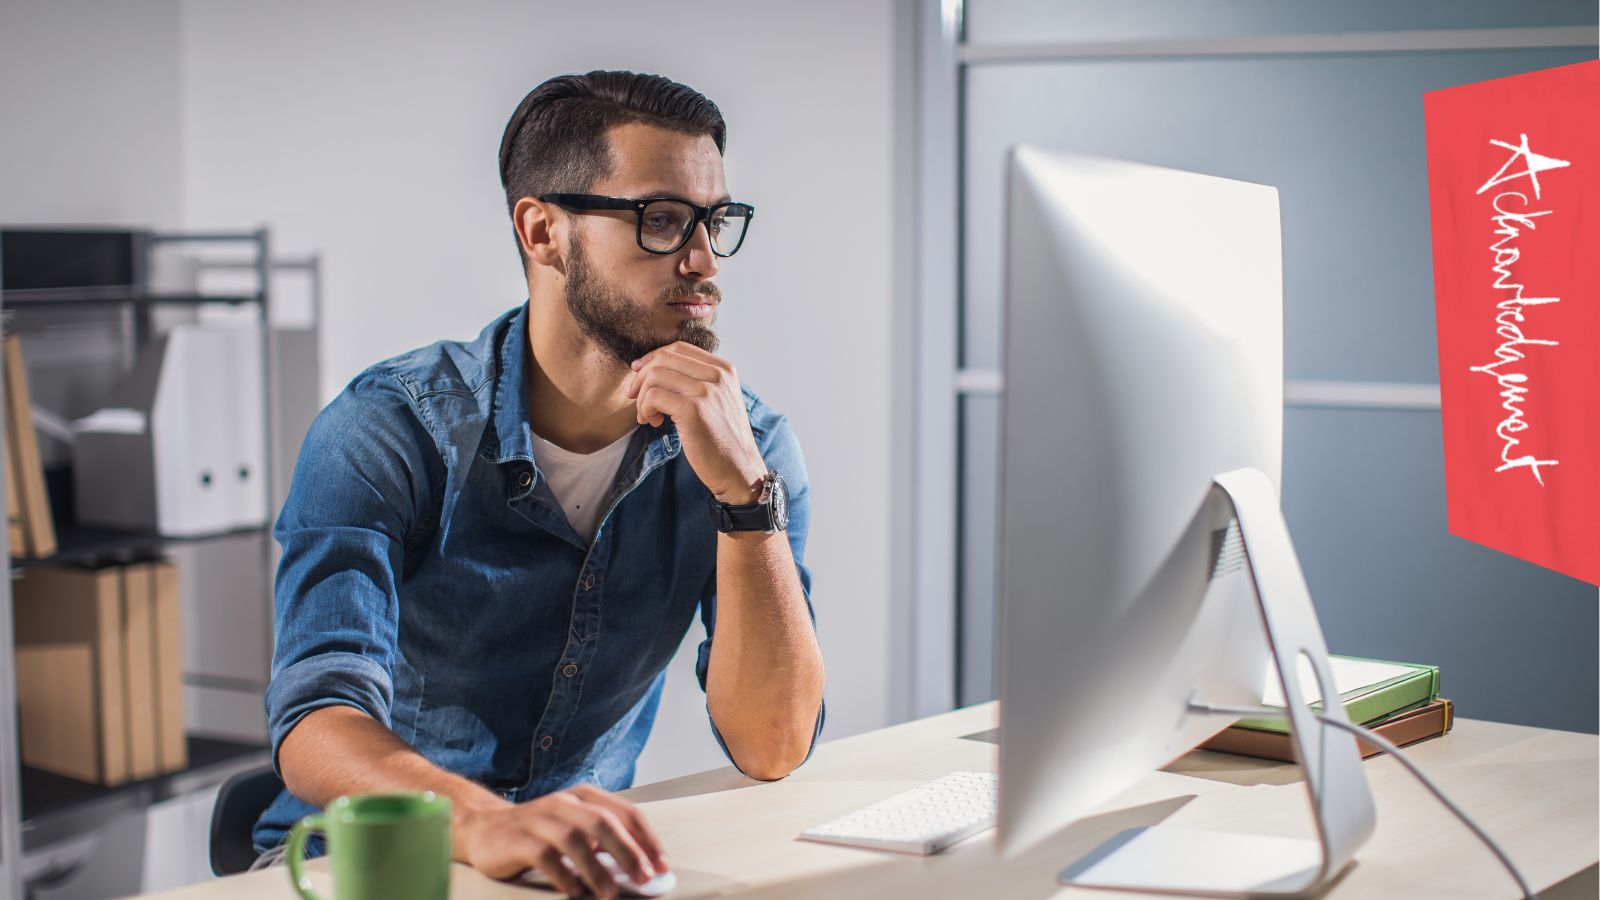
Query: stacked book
pixel 1399 701
pixel 32 530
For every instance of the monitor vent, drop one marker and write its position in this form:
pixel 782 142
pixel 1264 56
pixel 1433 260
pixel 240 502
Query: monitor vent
pixel 1227 551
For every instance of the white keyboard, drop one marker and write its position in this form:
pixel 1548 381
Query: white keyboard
pixel 923 820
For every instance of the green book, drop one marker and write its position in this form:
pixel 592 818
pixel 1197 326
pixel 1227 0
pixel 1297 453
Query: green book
pixel 1369 688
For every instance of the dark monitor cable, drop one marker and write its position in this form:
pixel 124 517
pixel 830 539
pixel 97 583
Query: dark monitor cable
pixel 1388 747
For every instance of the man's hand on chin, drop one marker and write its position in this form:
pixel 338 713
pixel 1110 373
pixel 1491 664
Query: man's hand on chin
pixel 700 391
pixel 506 840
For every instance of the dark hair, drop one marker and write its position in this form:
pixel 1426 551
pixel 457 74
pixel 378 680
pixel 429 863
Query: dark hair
pixel 556 140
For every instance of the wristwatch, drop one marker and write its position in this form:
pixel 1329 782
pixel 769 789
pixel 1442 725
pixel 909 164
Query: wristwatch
pixel 770 512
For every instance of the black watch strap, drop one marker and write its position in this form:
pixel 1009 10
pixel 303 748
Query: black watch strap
pixel 769 513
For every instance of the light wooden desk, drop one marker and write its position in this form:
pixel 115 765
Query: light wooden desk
pixel 1535 791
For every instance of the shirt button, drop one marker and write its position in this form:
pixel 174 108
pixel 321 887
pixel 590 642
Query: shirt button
pixel 545 742
pixel 569 670
pixel 524 478
pixel 588 582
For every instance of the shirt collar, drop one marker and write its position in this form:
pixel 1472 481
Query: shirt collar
pixel 514 439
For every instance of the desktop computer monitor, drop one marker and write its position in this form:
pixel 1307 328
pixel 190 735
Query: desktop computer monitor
pixel 1143 359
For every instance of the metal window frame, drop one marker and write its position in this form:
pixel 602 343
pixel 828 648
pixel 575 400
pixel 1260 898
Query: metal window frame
pixel 10 749
pixel 929 663
pixel 1297 392
pixel 1287 44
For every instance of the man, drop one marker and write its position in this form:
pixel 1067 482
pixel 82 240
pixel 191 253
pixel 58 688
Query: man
pixel 492 549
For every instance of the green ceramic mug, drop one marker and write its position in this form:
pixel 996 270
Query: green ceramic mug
pixel 380 847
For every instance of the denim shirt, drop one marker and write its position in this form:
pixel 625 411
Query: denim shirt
pixel 430 579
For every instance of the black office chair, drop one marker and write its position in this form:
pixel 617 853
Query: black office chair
pixel 240 802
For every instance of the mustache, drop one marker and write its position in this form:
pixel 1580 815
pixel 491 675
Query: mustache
pixel 686 290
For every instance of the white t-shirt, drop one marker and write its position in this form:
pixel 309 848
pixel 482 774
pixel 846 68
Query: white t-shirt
pixel 581 481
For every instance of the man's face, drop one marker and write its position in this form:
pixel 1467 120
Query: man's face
pixel 623 298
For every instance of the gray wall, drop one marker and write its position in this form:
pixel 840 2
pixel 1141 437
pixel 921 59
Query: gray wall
pixel 89 113
pixel 1341 136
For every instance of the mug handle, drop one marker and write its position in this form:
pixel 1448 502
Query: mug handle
pixel 296 854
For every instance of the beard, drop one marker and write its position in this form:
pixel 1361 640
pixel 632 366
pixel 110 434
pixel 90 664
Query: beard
pixel 613 321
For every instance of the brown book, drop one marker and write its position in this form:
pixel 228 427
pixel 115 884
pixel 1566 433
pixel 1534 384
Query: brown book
pixel 61 605
pixel 139 669
pixel 22 451
pixel 1402 728
pixel 18 537
pixel 172 742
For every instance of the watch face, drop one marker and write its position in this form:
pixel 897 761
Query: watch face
pixel 780 503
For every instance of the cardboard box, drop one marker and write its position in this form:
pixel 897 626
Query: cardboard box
pixel 60 710
pixel 100 670
pixel 58 609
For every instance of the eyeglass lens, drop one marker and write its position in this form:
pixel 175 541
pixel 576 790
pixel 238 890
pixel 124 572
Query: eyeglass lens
pixel 664 226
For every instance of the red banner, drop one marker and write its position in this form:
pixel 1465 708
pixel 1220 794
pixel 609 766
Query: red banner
pixel 1514 188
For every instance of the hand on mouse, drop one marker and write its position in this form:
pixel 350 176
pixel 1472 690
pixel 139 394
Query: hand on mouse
pixel 577 823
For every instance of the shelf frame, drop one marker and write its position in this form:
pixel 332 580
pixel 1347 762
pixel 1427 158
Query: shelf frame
pixel 56 298
pixel 62 808
pixel 23 829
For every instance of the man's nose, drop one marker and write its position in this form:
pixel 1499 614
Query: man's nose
pixel 698 263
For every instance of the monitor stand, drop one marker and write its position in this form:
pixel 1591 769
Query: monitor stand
pixel 1185 861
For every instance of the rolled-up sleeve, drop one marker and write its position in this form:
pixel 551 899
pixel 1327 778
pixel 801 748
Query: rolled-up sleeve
pixel 362 487
pixel 781 449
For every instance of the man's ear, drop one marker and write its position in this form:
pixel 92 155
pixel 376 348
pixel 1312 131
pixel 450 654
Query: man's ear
pixel 540 230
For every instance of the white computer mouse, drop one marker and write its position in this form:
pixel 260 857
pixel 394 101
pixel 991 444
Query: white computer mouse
pixel 659 886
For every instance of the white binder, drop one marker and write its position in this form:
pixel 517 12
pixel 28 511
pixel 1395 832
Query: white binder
pixel 198 465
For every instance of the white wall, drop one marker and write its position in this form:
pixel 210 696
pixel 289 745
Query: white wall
pixel 89 105
pixel 368 131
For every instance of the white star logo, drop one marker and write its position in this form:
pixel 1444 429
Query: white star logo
pixel 1536 164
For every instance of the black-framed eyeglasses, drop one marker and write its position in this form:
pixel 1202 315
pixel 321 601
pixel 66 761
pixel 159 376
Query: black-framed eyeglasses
pixel 664 224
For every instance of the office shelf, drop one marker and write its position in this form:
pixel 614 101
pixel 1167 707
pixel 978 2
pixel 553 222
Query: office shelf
pixel 56 808
pixel 40 811
pixel 46 794
pixel 77 545
pixel 113 296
